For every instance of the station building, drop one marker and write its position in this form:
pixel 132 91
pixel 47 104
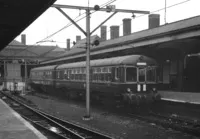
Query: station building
pixel 17 58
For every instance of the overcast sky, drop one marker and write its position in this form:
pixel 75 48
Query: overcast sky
pixel 52 20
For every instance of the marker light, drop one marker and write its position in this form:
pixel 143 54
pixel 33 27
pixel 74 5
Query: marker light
pixel 141 64
pixel 144 87
pixel 138 87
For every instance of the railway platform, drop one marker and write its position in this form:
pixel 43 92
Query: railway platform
pixel 182 97
pixel 13 126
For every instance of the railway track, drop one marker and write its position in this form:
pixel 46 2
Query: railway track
pixel 177 123
pixel 54 126
pixel 174 122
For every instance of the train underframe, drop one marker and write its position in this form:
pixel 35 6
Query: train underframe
pixel 107 95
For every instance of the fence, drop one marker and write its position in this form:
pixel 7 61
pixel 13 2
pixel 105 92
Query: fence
pixel 13 84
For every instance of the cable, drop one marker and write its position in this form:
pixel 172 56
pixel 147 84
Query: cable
pixel 167 7
pixel 111 1
pixel 158 10
pixel 135 17
pixel 69 24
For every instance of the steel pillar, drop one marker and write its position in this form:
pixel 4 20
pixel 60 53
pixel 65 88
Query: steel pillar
pixel 88 64
pixel 5 82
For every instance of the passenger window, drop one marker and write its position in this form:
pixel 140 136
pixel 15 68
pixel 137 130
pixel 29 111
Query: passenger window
pixel 116 73
pixel 95 77
pixel 75 74
pixel 84 77
pixel 151 74
pixel 109 69
pixel 141 76
pixel 58 74
pixel 131 74
pixel 98 77
pixel 109 77
pixel 102 77
pixel 65 74
pixel 68 74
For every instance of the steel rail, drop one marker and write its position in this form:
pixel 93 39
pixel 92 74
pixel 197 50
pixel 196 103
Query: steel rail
pixel 73 129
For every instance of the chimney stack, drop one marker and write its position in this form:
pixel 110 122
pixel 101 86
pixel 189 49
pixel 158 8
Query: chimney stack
pixel 23 39
pixel 154 20
pixel 68 44
pixel 126 26
pixel 114 32
pixel 78 38
pixel 103 33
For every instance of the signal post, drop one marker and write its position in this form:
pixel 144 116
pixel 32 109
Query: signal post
pixel 110 8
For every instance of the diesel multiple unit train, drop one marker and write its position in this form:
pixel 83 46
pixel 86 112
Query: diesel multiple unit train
pixel 129 79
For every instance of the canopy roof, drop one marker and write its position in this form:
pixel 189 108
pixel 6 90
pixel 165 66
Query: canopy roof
pixel 44 68
pixel 122 60
pixel 16 15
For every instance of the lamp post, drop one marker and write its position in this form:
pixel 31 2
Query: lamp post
pixel 87 116
pixel 165 11
pixel 5 72
pixel 25 79
pixel 25 74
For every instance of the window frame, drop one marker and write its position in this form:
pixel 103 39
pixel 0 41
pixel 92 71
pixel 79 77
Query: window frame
pixel 117 73
pixel 145 68
pixel 136 73
pixel 155 70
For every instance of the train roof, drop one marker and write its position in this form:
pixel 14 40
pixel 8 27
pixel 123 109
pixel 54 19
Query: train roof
pixel 44 68
pixel 122 60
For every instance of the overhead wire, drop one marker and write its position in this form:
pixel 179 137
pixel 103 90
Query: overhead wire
pixel 69 24
pixel 176 4
pixel 103 5
pixel 158 10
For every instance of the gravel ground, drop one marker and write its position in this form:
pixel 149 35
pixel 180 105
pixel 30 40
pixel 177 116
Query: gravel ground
pixel 116 126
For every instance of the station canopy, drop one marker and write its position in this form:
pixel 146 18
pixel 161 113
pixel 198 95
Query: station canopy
pixel 16 15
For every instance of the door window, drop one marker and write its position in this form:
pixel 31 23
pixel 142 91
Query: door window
pixel 131 74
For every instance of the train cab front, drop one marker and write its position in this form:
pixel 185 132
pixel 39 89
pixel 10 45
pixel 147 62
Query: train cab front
pixel 144 90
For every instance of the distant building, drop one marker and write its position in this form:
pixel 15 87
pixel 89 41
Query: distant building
pixel 18 57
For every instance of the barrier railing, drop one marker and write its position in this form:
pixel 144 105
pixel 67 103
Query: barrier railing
pixel 14 84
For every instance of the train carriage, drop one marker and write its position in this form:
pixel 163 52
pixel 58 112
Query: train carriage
pixel 131 78
pixel 42 78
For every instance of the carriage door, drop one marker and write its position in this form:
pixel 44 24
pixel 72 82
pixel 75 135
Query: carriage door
pixel 53 76
pixel 141 86
pixel 141 74
pixel 116 74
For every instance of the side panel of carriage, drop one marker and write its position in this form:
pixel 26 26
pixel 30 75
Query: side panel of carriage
pixel 98 83
pixel 42 79
pixel 109 77
pixel 120 81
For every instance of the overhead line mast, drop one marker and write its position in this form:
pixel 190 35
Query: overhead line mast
pixel 87 33
pixel 100 9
